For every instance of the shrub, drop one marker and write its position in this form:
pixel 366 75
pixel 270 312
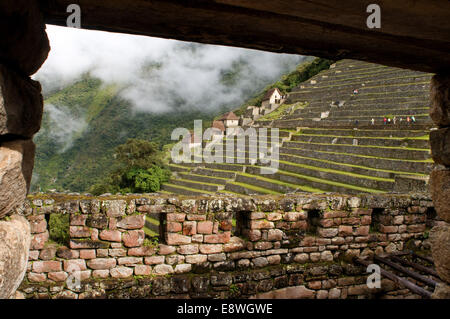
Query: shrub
pixel 59 228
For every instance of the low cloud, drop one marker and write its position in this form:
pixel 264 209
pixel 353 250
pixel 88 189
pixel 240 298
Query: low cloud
pixel 159 75
pixel 64 126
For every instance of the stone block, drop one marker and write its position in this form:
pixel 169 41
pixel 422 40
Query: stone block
pixel 440 146
pixel 24 43
pixel 132 222
pixel 177 239
pixel 440 99
pixel 133 238
pixel 440 249
pixel 102 263
pixel 440 192
pixel 142 270
pixel 121 272
pixel 15 241
pixel 114 208
pixel 111 235
pixel 163 269
pixel 205 227
pixel 16 167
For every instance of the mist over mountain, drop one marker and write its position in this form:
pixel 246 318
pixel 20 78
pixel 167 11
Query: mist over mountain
pixel 102 88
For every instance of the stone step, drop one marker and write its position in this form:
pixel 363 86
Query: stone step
pixel 179 168
pixel 407 84
pixel 384 131
pixel 338 112
pixel 264 183
pixel 350 106
pixel 225 167
pixel 202 178
pixel 381 97
pixel 325 185
pixel 346 124
pixel 177 189
pixel 340 177
pixel 196 185
pixel 420 167
pixel 357 75
pixel 330 139
pixel 387 79
pixel 215 173
pixel 245 189
pixel 420 118
pixel 384 152
pixel 338 166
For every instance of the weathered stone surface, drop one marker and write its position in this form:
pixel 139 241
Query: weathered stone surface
pixel 21 104
pixel 442 291
pixel 102 263
pixel 24 44
pixel 440 192
pixel 15 241
pixel 16 167
pixel 162 269
pixel 114 208
pixel 440 146
pixel 111 235
pixel 297 292
pixel 133 238
pixel 440 99
pixel 132 222
pixel 121 272
pixel 440 249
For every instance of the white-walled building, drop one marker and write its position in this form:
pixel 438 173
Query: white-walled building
pixel 230 119
pixel 272 99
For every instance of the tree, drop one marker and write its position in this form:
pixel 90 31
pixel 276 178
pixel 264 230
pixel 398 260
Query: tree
pixel 138 168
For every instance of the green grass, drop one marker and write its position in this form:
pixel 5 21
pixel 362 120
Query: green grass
pixel 318 180
pixel 150 232
pixel 283 109
pixel 256 188
pixel 188 189
pixel 205 176
pixel 275 181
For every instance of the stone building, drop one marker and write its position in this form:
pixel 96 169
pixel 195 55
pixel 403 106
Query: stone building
pixel 272 100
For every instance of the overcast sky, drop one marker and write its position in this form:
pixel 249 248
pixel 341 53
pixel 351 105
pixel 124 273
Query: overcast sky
pixel 191 71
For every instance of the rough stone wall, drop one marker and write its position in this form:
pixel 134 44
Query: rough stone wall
pixel 295 245
pixel 24 47
pixel 440 178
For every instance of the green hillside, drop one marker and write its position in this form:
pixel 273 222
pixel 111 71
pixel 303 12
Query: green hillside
pixel 84 122
pixel 109 122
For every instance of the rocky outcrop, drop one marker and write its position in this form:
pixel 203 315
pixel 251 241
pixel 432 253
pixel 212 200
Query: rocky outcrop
pixel 442 291
pixel 15 241
pixel 24 45
pixel 440 178
pixel 21 104
pixel 440 146
pixel 440 248
pixel 440 191
pixel 440 99
pixel 16 167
